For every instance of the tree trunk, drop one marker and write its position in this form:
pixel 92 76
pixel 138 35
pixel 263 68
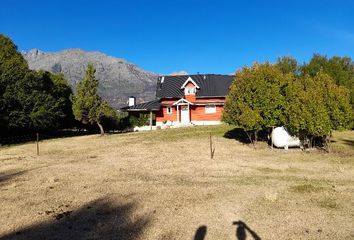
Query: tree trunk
pixel 250 138
pixel 328 143
pixel 255 136
pixel 101 128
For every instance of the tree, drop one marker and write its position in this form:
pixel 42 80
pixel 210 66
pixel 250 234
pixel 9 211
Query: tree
pixel 340 69
pixel 12 68
pixel 88 107
pixel 268 95
pixel 50 103
pixel 63 91
pixel 256 99
pixel 30 100
pixel 306 109
pixel 316 106
pixel 288 64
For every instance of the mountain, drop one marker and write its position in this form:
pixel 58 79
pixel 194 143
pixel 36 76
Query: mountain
pixel 182 72
pixel 118 79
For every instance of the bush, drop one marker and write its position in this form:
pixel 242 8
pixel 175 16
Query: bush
pixel 142 120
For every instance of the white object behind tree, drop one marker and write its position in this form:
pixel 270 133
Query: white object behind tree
pixel 282 139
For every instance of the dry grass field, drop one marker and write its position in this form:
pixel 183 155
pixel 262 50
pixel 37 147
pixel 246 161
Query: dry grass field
pixel 163 185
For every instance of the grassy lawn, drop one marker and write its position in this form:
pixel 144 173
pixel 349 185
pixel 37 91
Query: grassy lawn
pixel 163 185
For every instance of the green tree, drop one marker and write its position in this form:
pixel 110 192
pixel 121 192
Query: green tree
pixel 63 92
pixel 256 99
pixel 266 95
pixel 337 102
pixel 340 69
pixel 50 104
pixel 138 121
pixel 316 106
pixel 30 100
pixel 306 109
pixel 88 107
pixel 288 64
pixel 12 68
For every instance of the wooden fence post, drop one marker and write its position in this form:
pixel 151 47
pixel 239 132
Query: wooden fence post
pixel 212 150
pixel 37 140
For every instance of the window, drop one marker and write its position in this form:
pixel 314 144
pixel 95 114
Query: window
pixel 189 91
pixel 169 110
pixel 210 109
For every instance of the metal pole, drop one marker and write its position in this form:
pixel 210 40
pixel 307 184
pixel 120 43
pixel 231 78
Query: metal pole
pixel 150 120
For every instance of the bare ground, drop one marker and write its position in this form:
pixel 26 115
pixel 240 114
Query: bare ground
pixel 163 185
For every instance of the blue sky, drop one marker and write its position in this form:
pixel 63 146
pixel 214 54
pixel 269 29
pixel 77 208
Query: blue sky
pixel 163 36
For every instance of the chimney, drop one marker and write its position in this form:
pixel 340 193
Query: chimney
pixel 131 101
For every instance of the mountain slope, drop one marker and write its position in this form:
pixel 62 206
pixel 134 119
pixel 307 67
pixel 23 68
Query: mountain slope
pixel 118 79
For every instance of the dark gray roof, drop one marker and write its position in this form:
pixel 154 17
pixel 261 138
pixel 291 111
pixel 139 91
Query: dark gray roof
pixel 145 106
pixel 211 85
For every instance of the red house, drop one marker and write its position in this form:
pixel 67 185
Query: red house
pixel 187 100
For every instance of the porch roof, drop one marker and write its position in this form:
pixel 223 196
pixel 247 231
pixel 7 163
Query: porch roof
pixel 145 106
pixel 182 100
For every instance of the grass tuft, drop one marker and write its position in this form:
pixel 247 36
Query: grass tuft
pixel 306 188
pixel 268 170
pixel 329 203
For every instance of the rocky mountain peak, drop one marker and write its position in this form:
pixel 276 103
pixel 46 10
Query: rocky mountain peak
pixel 118 79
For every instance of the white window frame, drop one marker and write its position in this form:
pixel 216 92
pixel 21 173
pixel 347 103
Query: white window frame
pixel 190 91
pixel 169 110
pixel 209 109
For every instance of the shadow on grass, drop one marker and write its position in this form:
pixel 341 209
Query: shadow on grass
pixel 237 134
pixel 349 142
pixel 31 137
pixel 241 136
pixel 7 177
pixel 344 141
pixel 99 219
pixel 200 233
pixel 242 230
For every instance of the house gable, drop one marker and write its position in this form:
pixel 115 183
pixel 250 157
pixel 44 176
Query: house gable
pixel 189 80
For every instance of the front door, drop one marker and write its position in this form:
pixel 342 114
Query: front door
pixel 184 114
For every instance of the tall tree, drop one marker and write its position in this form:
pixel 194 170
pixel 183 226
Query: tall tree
pixel 30 100
pixel 12 68
pixel 340 69
pixel 63 92
pixel 288 64
pixel 316 106
pixel 88 107
pixel 255 100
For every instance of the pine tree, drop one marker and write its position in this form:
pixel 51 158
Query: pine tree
pixel 88 107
